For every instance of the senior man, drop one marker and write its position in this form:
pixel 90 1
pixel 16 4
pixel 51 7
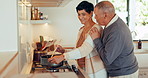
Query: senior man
pixel 115 47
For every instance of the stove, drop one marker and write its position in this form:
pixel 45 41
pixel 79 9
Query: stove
pixel 37 68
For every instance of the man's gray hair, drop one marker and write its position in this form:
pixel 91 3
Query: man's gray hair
pixel 106 6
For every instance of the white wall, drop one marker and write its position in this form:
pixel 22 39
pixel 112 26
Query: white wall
pixel 64 23
pixel 8 25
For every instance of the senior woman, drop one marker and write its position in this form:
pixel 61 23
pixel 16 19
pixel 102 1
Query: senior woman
pixel 94 66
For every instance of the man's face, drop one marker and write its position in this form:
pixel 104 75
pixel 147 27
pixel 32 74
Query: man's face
pixel 99 16
pixel 83 16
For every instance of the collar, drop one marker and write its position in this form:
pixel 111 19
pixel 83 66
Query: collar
pixel 112 21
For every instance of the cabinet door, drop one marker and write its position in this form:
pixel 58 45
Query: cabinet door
pixel 24 34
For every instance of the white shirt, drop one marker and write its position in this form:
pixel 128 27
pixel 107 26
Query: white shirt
pixel 112 21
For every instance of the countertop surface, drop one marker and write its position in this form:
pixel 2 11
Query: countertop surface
pixel 65 74
pixel 5 57
pixel 141 51
pixel 47 75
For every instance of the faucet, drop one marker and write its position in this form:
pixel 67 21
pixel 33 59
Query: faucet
pixel 134 34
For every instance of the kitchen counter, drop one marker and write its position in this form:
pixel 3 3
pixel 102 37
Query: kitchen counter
pixel 141 51
pixel 41 73
pixel 47 75
pixel 65 68
pixel 5 59
pixel 142 55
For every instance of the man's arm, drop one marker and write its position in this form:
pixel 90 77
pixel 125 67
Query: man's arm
pixel 112 47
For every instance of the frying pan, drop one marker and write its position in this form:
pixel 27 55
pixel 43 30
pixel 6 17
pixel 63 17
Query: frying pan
pixel 44 61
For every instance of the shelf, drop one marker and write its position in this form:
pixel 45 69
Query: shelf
pixel 23 21
pixel 39 21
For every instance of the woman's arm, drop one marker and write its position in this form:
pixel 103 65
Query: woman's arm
pixel 79 52
pixel 84 49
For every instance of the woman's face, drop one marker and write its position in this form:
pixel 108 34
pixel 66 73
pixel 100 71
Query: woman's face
pixel 84 17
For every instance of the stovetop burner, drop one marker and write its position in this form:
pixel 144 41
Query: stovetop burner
pixel 52 69
pixel 65 68
pixel 37 68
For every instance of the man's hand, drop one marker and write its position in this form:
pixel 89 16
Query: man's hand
pixel 94 33
pixel 56 59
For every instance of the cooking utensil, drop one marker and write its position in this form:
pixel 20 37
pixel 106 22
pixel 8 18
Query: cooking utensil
pixel 44 61
pixel 37 55
pixel 48 44
pixel 39 46
pixel 55 50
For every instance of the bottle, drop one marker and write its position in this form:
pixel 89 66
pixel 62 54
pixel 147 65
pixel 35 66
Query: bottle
pixel 32 13
pixel 139 44
pixel 36 13
pixel 41 15
pixel 41 39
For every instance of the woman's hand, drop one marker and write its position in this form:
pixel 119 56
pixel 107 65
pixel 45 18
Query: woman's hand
pixel 60 49
pixel 56 59
pixel 81 62
pixel 94 33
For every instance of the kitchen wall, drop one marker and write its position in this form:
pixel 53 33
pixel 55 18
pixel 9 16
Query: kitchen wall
pixel 8 25
pixel 64 23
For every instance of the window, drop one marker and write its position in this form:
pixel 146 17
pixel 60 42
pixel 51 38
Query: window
pixel 121 9
pixel 139 19
pixel 135 14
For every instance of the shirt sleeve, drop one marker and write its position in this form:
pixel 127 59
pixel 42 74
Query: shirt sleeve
pixel 81 51
pixel 84 50
pixel 110 50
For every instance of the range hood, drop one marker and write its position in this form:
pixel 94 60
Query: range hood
pixel 49 3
